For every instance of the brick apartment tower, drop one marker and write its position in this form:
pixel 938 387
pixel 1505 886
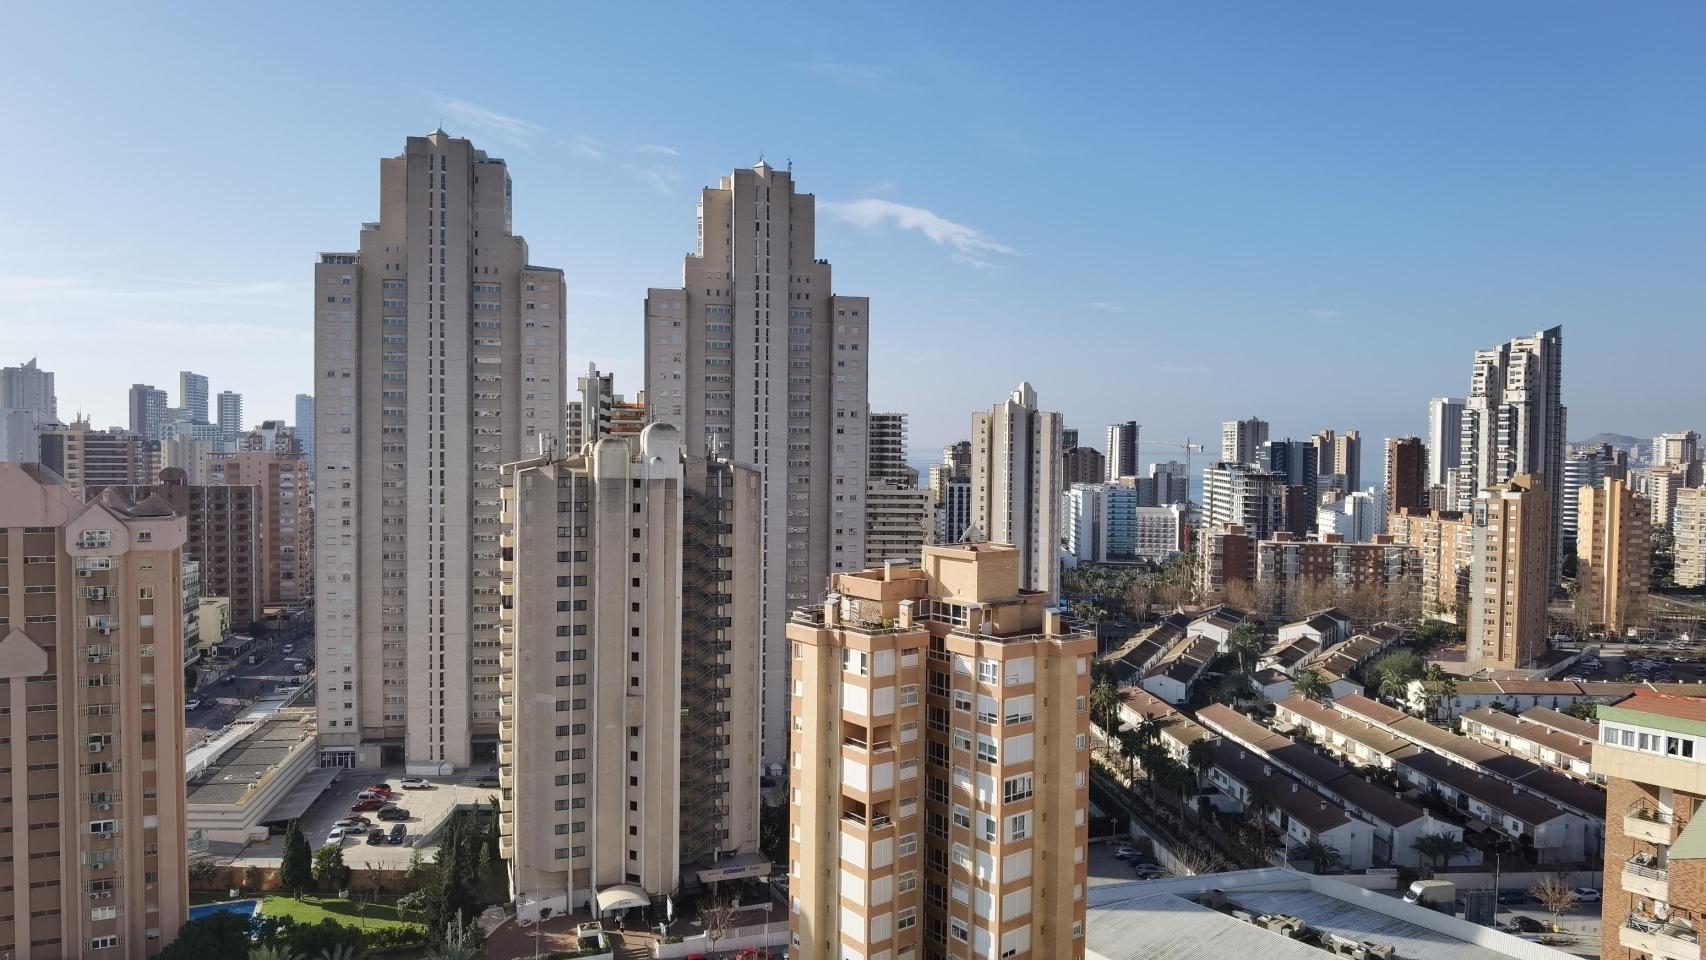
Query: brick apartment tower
pixel 939 767
pixel 1613 554
pixel 1509 576
pixel 92 685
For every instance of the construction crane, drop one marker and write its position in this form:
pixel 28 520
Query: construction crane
pixel 1185 445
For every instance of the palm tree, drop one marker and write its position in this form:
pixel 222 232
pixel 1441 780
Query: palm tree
pixel 1199 758
pixel 1439 848
pixel 1246 643
pixel 1309 684
pixel 342 951
pixel 271 951
pixel 1324 857
pixel 1105 705
pixel 1259 800
pixel 1437 685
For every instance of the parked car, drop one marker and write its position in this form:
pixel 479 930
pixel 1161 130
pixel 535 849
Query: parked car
pixel 384 788
pixel 354 820
pixel 1125 853
pixel 1587 895
pixel 364 806
pixel 489 780
pixel 393 813
pixel 193 703
pixel 1513 897
pixel 1151 872
pixel 376 836
pixel 288 648
pixel 1522 924
pixel 398 831
pixel 336 837
pixel 415 783
pixel 371 794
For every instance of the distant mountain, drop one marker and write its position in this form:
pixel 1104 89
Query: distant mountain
pixel 1620 440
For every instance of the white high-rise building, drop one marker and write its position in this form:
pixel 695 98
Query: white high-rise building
pixel 439 357
pixel 1244 495
pixel 1357 516
pixel 1241 441
pixel 1445 442
pixel 756 358
pixel 27 407
pixel 192 396
pixel 230 415
pixel 1016 484
pixel 1680 449
pixel 305 426
pixel 1514 423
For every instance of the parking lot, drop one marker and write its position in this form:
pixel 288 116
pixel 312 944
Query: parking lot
pixel 428 811
pixel 1676 665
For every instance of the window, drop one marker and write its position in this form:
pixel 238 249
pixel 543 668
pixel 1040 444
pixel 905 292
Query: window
pixel 1022 709
pixel 962 933
pixel 908 918
pixel 1018 827
pixel 962 739
pixel 908 694
pixel 988 671
pixel 908 844
pixel 988 750
pixel 1015 789
pixel 962 817
pixel 962 701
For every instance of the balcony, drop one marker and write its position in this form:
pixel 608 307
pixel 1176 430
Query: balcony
pixel 506 778
pixel 506 708
pixel 506 752
pixel 1644 875
pixel 1672 940
pixel 1651 824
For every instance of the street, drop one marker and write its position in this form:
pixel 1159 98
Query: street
pixel 223 702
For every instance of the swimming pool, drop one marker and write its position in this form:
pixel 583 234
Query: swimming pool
pixel 244 908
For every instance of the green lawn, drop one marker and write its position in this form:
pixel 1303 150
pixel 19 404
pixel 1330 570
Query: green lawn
pixel 313 909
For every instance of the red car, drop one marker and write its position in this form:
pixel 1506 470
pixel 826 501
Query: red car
pixel 380 788
pixel 362 806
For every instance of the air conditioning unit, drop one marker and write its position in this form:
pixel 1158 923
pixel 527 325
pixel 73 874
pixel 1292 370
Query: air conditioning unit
pixel 103 631
pixel 100 895
pixel 85 572
pixel 103 835
pixel 97 747
pixel 103 806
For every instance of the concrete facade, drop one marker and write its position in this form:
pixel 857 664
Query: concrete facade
pixel 756 358
pixel 285 555
pixel 940 764
pixel 629 752
pixel 1509 578
pixel 1613 555
pixel 91 675
pixel 1016 484
pixel 439 356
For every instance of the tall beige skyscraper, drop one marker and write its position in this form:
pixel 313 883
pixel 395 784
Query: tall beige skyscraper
pixel 1508 576
pixel 1689 527
pixel 1341 454
pixel 1016 484
pixel 756 358
pixel 630 735
pixel 92 682
pixel 1613 553
pixel 939 772
pixel 439 356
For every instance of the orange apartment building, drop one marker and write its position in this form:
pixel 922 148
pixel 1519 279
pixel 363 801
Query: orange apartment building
pixel 939 765
pixel 93 863
pixel 284 557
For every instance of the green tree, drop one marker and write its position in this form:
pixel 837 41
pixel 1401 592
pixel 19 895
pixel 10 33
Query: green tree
pixel 271 951
pixel 218 935
pixel 1246 642
pixel 1439 849
pixel 1437 687
pixel 1309 684
pixel 462 941
pixel 1663 558
pixel 455 888
pixel 296 870
pixel 342 951
pixel 1199 757
pixel 1323 857
pixel 312 940
pixel 420 872
pixel 1391 675
pixel 329 869
pixel 1233 688
pixel 1105 705
pixel 1259 801
pixel 1584 710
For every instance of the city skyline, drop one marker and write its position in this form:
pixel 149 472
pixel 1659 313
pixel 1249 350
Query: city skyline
pixel 1146 269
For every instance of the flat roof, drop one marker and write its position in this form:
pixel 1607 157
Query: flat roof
pixel 231 777
pixel 1161 920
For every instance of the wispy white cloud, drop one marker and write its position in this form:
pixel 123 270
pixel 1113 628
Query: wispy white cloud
pixel 485 120
pixel 844 73
pixel 661 177
pixel 656 150
pixel 76 293
pixel 586 146
pixel 972 247
pixel 1105 307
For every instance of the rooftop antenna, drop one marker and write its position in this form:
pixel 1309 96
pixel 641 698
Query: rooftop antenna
pixel 790 164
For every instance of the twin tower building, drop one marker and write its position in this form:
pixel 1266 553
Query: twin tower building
pixel 604 624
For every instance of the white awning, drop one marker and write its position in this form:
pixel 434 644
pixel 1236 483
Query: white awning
pixel 621 897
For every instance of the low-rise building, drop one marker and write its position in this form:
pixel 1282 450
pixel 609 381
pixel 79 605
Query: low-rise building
pixel 1540 742
pixel 247 779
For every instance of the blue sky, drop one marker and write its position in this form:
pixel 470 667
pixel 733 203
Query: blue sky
pixel 1171 213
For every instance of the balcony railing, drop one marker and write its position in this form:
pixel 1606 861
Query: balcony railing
pixel 1641 866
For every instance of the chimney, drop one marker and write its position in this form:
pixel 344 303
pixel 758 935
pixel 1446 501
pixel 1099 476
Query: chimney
pixel 889 568
pixel 904 621
pixel 1051 622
